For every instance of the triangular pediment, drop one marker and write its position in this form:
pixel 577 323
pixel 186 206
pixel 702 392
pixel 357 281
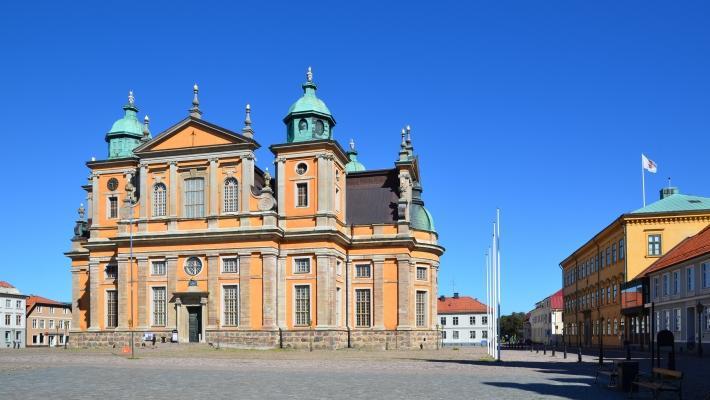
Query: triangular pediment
pixel 191 134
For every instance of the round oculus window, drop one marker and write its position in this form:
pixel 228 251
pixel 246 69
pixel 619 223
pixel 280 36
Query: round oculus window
pixel 301 168
pixel 193 266
pixel 112 184
pixel 319 128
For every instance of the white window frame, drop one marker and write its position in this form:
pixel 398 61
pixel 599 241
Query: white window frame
pixel 426 273
pixel 159 200
pixel 152 267
pixel 108 206
pixel 232 257
pixel 310 304
pixel 426 311
pixel 223 305
pixel 152 306
pixel 106 308
pixel 656 252
pixel 295 263
pixel 369 307
pixel 194 206
pixel 690 279
pixel 230 205
pixel 357 270
pixel 295 194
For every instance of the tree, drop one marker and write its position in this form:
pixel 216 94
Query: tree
pixel 511 326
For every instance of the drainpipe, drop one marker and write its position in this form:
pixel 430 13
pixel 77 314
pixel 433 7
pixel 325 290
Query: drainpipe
pixel 347 296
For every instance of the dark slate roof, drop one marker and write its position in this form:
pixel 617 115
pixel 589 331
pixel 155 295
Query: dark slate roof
pixel 372 197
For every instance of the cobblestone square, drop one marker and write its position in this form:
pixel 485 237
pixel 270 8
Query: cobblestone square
pixel 190 372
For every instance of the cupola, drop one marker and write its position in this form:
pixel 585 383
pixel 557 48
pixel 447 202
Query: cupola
pixel 309 118
pixel 419 217
pixel 126 133
pixel 353 164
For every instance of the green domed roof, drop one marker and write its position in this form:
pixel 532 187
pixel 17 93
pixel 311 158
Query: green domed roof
pixel 419 217
pixel 129 123
pixel 309 102
pixel 126 133
pixel 353 165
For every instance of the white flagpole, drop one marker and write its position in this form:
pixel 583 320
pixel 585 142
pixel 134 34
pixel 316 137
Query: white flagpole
pixel 494 270
pixel 643 182
pixel 488 301
pixel 498 276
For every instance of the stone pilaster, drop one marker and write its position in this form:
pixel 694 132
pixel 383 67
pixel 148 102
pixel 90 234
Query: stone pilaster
pixel 246 183
pixel 75 295
pixel 173 187
pixel 94 297
pixel 123 293
pixel 244 289
pixel 213 289
pixel 349 294
pixel 433 294
pixel 94 213
pixel 404 287
pixel 281 185
pixel 171 266
pixel 143 297
pixel 379 294
pixel 323 282
pixel 281 292
pixel 144 193
pixel 412 294
pixel 322 168
pixel 213 204
pixel 269 294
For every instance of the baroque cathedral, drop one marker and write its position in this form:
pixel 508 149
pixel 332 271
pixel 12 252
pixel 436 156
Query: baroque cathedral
pixel 184 238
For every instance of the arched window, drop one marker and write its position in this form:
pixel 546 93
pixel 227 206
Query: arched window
pixel 159 200
pixel 231 190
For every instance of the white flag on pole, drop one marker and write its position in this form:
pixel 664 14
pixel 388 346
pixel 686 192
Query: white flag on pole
pixel 648 164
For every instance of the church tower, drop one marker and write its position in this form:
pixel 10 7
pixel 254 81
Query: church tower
pixel 126 133
pixel 309 118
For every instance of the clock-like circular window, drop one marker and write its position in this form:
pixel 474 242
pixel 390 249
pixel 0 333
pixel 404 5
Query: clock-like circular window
pixel 301 168
pixel 319 128
pixel 193 266
pixel 112 184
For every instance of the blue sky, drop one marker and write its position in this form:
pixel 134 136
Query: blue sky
pixel 539 108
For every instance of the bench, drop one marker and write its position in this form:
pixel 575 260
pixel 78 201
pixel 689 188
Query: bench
pixel 611 372
pixel 662 380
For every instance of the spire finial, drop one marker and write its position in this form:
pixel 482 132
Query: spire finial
pixel 131 98
pixel 195 110
pixel 403 141
pixel 409 134
pixel 309 75
pixel 248 131
pixel 146 130
pixel 352 145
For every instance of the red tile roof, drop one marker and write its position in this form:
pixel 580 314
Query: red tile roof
pixel 556 300
pixel 687 249
pixel 33 299
pixel 6 285
pixel 462 304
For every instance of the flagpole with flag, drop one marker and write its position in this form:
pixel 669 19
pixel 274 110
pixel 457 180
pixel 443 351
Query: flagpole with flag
pixel 650 166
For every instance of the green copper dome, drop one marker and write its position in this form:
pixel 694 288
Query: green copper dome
pixel 419 217
pixel 309 118
pixel 126 133
pixel 353 165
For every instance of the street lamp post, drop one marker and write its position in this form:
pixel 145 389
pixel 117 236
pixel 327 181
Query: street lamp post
pixel 128 205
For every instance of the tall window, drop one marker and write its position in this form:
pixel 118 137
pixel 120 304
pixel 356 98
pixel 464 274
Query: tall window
pixel 484 334
pixel 421 273
pixel 159 197
pixel 362 307
pixel 455 320
pixel 194 198
pixel 654 245
pixel 159 306
pixel 608 256
pixel 690 272
pixel 484 320
pixel 443 321
pixel 113 207
pixel 362 270
pixel 613 253
pixel 665 285
pixel 303 305
pixel 705 278
pixel 231 305
pixel 655 287
pixel 111 308
pixel 472 320
pixel 676 324
pixel 158 267
pixel 302 194
pixel 230 265
pixel 614 293
pixel 621 249
pixel 676 282
pixel 455 335
pixel 472 334
pixel 421 308
pixel 230 195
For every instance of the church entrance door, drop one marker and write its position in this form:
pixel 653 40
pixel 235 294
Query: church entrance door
pixel 194 321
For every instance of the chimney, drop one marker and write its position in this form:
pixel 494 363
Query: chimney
pixel 669 191
pixel 442 298
pixel 456 295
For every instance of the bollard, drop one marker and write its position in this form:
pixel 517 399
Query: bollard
pixel 537 350
pixel 579 354
pixel 565 350
pixel 553 351
pixel 544 349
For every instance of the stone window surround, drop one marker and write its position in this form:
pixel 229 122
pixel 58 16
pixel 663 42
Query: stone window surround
pixel 222 308
pixel 222 194
pixel 202 265
pixel 293 264
pixel 308 192
pixel 293 302
pixel 229 256
pixel 165 266
pixel 106 321
pixel 426 272
pixel 362 263
pixel 152 302
pixel 110 196
pixel 427 307
pixel 371 322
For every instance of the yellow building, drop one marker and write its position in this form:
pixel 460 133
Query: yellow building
pixel 593 274
pixel 184 233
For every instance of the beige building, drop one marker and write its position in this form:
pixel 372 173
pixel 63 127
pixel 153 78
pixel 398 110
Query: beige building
pixel 48 322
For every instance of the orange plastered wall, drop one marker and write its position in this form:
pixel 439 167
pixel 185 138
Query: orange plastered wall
pixel 255 291
pixel 290 180
pixel 191 137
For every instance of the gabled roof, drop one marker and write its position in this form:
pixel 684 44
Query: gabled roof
pixel 230 136
pixel 459 305
pixel 687 249
pixel 33 300
pixel 556 300
pixel 676 202
pixel 7 285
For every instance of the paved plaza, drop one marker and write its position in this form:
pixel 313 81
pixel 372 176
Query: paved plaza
pixel 190 372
